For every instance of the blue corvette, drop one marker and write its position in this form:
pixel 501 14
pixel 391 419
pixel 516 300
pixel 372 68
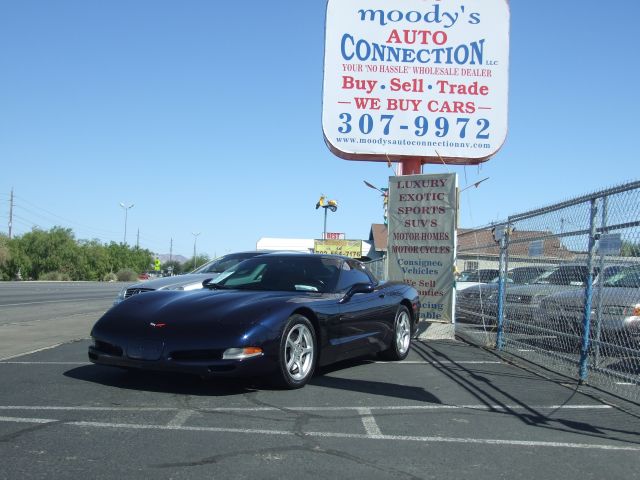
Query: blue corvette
pixel 276 314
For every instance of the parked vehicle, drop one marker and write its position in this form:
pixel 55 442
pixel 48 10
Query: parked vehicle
pixel 469 278
pixel 615 309
pixel 522 302
pixel 476 304
pixel 276 314
pixel 188 281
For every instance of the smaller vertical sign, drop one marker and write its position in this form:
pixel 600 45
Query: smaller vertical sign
pixel 422 234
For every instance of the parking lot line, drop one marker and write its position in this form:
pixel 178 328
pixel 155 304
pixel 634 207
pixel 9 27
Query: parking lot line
pixel 354 436
pixel 369 422
pixel 2 360
pixel 369 409
pixel 181 418
pixel 27 420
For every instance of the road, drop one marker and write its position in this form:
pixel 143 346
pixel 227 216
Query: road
pixel 450 410
pixel 36 315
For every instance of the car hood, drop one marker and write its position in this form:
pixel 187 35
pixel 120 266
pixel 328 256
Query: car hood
pixel 194 314
pixel 538 289
pixel 168 283
pixel 609 295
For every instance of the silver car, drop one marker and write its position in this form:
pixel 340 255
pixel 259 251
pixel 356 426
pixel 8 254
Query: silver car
pixel 188 281
pixel 522 302
pixel 615 309
pixel 478 303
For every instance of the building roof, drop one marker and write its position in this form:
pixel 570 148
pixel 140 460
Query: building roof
pixel 379 237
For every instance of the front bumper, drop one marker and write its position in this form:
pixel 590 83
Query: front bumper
pixel 203 363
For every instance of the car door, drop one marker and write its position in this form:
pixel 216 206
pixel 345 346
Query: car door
pixel 364 318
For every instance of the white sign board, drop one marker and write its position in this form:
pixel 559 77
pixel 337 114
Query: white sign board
pixel 536 248
pixel 408 79
pixel 422 236
pixel 610 244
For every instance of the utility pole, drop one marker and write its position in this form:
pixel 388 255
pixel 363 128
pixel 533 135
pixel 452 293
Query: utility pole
pixel 195 237
pixel 171 251
pixel 10 213
pixel 126 210
pixel 138 240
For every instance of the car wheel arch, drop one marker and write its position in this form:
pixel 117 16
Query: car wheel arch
pixel 311 316
pixel 407 303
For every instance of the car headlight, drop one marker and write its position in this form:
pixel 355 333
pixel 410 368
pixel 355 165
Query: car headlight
pixel 189 287
pixel 622 311
pixel 121 296
pixel 241 353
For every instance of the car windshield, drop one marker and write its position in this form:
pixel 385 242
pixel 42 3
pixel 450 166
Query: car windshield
pixel 477 275
pixel 523 275
pixel 284 273
pixel 564 275
pixel 223 263
pixel 626 278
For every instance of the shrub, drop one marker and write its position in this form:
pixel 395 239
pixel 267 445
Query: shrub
pixel 110 277
pixel 126 275
pixel 55 276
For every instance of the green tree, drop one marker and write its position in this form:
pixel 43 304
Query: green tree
pixel 200 260
pixel 630 249
pixel 178 267
pixel 94 262
pixel 52 251
pixel 5 256
pixel 57 254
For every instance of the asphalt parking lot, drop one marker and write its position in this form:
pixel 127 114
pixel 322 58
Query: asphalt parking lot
pixel 451 410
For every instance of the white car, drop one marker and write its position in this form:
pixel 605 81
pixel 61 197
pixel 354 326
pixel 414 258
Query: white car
pixel 469 278
pixel 188 281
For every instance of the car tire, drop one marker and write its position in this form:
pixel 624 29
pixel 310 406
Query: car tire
pixel 297 353
pixel 401 339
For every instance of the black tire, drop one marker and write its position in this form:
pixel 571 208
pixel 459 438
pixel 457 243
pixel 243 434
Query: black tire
pixel 401 339
pixel 297 354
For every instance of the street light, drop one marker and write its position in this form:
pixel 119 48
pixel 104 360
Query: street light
pixel 474 184
pixel 330 205
pixel 126 210
pixel 195 238
pixel 385 198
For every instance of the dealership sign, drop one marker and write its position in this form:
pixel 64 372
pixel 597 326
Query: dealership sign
pixel 422 239
pixel 348 248
pixel 411 79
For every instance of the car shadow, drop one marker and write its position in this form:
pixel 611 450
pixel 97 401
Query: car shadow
pixel 161 382
pixel 323 378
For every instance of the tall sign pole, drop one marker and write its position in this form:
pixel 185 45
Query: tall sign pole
pixel 415 82
pixel 11 214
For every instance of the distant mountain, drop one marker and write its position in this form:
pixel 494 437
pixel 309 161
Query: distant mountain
pixel 165 257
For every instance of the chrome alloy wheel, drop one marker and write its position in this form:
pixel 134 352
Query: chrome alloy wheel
pixel 299 355
pixel 403 331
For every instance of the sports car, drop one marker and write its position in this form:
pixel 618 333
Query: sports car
pixel 279 314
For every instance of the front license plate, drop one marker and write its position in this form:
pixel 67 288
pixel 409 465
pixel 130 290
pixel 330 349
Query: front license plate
pixel 144 350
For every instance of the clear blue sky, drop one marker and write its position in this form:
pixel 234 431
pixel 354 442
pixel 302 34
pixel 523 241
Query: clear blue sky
pixel 207 116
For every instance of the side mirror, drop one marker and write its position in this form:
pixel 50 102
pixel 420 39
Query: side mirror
pixel 357 288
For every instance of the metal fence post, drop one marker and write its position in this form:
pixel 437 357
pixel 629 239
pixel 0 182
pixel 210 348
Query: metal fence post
pixel 598 319
pixel 502 268
pixel 588 297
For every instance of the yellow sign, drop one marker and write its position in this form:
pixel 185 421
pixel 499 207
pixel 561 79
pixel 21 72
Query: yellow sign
pixel 348 248
pixel 157 264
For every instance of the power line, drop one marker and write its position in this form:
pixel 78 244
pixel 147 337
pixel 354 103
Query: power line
pixel 29 215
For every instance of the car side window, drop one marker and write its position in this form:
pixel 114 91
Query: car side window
pixel 350 274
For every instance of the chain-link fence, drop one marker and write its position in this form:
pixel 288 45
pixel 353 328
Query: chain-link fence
pixel 568 291
pixel 378 267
